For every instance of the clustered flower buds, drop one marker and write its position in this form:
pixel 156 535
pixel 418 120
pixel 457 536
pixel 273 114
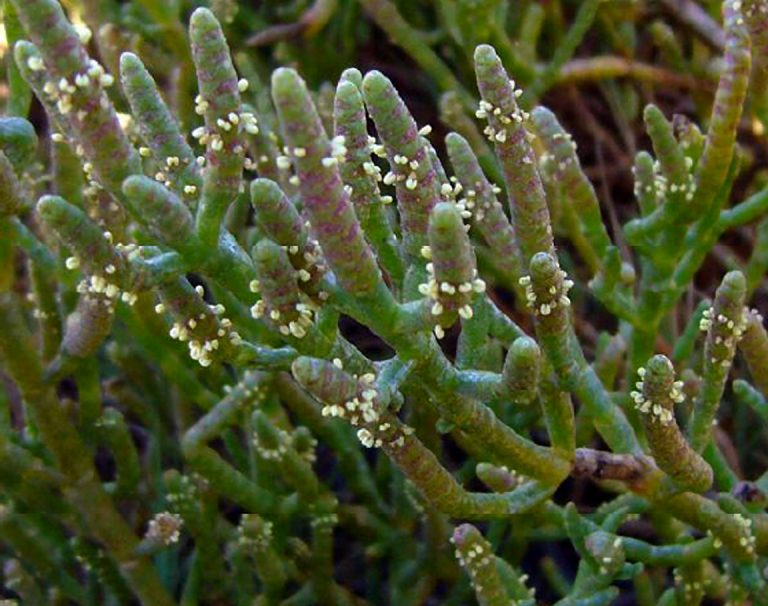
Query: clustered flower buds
pixel 658 412
pixel 165 528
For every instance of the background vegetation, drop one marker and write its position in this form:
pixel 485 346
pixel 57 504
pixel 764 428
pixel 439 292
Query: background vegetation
pixel 378 302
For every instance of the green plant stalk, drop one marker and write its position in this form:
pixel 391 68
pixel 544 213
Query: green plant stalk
pixel 670 450
pixel 159 129
pixel 487 214
pixel 475 555
pixel 725 326
pixel 416 179
pixel 220 106
pixel 88 111
pixel 527 201
pixel 327 204
pixel 754 347
pixel 20 95
pixel 578 191
pixel 350 123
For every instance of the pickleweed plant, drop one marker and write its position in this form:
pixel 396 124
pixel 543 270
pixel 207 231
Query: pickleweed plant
pixel 254 356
